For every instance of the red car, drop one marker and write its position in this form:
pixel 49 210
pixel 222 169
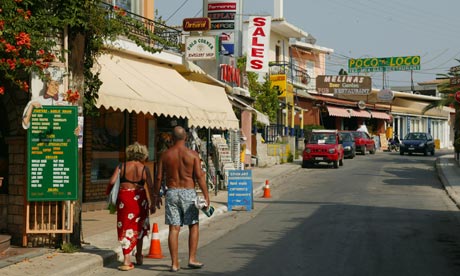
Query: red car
pixel 323 146
pixel 364 142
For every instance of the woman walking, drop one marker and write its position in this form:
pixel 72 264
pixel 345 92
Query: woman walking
pixel 133 203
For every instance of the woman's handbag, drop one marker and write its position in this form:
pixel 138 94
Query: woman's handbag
pixel 113 196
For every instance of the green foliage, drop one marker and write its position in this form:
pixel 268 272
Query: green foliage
pixel 266 98
pixel 69 248
pixel 290 157
pixel 30 31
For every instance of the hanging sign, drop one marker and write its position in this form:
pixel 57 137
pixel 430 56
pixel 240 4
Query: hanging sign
pixel 200 48
pixel 385 95
pixel 52 154
pixel 344 85
pixel 258 46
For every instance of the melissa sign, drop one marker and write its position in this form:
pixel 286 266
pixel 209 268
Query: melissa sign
pixel 259 37
pixel 344 85
pixel 200 47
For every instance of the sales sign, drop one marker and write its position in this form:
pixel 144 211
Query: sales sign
pixel 239 190
pixel 52 154
pixel 259 38
pixel 370 65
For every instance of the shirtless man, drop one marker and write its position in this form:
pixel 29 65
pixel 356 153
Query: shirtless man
pixel 180 167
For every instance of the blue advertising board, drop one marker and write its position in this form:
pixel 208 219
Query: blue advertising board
pixel 240 190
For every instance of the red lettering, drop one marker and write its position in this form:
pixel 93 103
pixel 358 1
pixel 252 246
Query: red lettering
pixel 256 64
pixel 255 42
pixel 255 52
pixel 258 32
pixel 259 21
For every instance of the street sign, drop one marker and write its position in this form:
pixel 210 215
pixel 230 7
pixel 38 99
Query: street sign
pixel 52 154
pixel 239 189
pixel 385 64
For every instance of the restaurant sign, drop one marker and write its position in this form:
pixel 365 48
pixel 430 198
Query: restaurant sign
pixel 196 24
pixel 370 65
pixel 52 154
pixel 344 85
pixel 201 47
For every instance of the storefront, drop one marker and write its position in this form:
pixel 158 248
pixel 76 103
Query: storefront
pixel 142 100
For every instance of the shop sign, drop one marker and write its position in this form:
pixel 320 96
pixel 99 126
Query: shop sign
pixel 344 85
pixel 457 96
pixel 200 48
pixel 239 188
pixel 385 64
pixel 385 95
pixel 259 38
pixel 361 104
pixel 278 82
pixel 196 24
pixel 222 15
pixel 52 154
pixel 230 74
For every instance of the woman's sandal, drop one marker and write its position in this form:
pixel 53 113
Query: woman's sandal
pixel 126 267
pixel 139 259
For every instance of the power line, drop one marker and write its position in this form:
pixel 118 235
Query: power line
pixel 180 7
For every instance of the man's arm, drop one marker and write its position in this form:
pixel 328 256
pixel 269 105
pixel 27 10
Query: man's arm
pixel 156 203
pixel 200 177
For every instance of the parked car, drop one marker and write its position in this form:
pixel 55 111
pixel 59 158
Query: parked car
pixel 417 142
pixel 323 146
pixel 349 145
pixel 364 142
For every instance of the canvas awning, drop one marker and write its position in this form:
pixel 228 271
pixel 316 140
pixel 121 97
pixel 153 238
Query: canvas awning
pixel 338 111
pixel 379 115
pixel 217 98
pixel 360 113
pixel 260 117
pixel 141 86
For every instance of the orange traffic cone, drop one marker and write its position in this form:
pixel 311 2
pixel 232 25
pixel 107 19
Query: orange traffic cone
pixel 266 190
pixel 155 247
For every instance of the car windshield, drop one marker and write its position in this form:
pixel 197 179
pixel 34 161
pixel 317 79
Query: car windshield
pixel 416 136
pixel 346 137
pixel 322 138
pixel 358 134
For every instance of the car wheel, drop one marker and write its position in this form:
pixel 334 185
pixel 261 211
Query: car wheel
pixel 363 150
pixel 372 151
pixel 306 164
pixel 341 162
pixel 336 164
pixel 432 152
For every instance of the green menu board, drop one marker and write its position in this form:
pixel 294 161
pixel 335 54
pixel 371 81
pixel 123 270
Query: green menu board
pixel 52 154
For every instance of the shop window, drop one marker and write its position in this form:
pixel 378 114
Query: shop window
pixel 108 143
pixel 133 6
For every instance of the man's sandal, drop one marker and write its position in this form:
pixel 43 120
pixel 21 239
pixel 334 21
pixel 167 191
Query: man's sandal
pixel 126 267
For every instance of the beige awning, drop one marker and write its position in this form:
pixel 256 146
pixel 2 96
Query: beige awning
pixel 216 98
pixel 404 106
pixel 141 86
pixel 260 117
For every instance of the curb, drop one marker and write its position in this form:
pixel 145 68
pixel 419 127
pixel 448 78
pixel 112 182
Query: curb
pixel 445 182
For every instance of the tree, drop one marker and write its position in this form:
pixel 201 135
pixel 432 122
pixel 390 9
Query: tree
pixel 31 32
pixel 447 93
pixel 266 97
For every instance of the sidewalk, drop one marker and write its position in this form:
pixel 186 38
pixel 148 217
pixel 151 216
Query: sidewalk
pixel 449 173
pixel 100 245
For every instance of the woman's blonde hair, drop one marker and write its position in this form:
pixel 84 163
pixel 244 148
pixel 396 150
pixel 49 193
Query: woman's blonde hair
pixel 136 152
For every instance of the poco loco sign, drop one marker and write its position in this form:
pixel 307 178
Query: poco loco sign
pixel 259 37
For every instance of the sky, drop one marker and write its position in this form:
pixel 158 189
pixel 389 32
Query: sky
pixel 361 29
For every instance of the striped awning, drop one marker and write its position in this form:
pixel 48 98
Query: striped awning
pixel 360 113
pixel 380 115
pixel 338 111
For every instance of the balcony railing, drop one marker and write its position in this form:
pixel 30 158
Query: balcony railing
pixel 165 37
pixel 295 74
